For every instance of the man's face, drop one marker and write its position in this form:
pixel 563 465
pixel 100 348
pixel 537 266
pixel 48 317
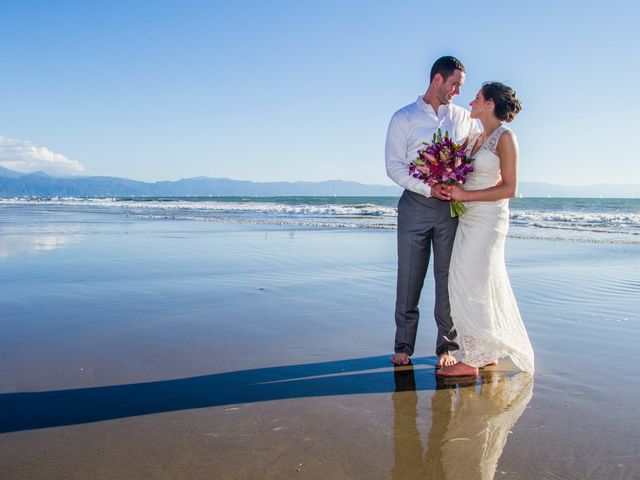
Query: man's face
pixel 451 87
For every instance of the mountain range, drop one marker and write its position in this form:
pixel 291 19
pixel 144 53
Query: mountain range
pixel 39 184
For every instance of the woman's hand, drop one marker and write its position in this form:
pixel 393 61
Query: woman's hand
pixel 457 193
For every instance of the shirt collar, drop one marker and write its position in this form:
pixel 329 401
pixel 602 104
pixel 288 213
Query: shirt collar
pixel 425 107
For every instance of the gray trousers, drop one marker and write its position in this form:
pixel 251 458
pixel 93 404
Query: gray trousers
pixel 422 223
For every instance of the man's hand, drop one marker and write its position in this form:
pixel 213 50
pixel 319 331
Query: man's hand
pixel 441 192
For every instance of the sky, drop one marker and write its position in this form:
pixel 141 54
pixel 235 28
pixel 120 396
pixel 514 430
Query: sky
pixel 304 90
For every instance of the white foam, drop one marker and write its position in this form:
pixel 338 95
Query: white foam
pixel 597 225
pixel 619 222
pixel 340 210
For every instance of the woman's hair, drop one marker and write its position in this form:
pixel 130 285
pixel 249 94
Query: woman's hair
pixel 507 105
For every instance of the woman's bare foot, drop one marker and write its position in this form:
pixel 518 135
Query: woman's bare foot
pixel 491 364
pixel 446 360
pixel 400 359
pixel 460 369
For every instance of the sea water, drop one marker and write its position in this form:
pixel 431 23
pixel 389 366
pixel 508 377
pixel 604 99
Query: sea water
pixel 572 219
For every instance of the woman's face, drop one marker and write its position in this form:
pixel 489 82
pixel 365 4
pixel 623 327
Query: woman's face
pixel 479 105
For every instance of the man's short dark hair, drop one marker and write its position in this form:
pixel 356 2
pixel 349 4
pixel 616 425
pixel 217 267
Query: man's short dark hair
pixel 445 66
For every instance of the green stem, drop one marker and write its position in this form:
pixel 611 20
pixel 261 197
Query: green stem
pixel 457 209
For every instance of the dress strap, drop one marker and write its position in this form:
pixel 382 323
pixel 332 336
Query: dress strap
pixel 473 139
pixel 492 142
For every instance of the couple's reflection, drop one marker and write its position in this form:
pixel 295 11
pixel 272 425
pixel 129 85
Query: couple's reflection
pixel 470 421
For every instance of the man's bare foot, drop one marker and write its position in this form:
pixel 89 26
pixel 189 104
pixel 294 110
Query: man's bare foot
pixel 446 360
pixel 400 359
pixel 460 369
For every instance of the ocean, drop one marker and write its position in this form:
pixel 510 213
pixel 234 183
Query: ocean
pixel 597 220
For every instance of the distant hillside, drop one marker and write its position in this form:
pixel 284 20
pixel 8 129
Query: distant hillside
pixel 15 184
pixel 5 172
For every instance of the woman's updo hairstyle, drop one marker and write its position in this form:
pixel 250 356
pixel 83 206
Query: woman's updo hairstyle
pixel 507 105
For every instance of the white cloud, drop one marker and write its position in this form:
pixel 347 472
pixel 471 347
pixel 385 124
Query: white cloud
pixel 25 157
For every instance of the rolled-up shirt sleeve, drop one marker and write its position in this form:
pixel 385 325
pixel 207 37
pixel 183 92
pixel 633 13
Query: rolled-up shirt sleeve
pixel 397 158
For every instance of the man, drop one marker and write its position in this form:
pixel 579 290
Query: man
pixel 423 212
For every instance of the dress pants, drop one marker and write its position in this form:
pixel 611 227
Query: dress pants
pixel 423 223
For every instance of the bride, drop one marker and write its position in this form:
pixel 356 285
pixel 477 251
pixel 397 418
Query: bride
pixel 483 307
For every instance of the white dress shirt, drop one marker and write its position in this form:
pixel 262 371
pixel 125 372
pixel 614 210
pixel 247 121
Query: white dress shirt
pixel 414 124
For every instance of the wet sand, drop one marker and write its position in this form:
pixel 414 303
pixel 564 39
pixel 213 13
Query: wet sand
pixel 173 349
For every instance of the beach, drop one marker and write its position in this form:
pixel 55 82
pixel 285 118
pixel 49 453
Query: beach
pixel 138 345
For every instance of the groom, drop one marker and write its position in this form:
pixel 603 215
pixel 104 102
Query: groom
pixel 424 218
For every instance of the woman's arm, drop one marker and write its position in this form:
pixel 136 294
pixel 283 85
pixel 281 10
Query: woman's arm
pixel 507 150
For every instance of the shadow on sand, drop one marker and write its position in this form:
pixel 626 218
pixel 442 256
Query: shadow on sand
pixel 31 410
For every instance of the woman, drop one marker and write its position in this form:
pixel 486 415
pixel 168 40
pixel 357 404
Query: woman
pixel 483 308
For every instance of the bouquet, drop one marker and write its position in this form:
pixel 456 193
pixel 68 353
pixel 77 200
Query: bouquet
pixel 442 161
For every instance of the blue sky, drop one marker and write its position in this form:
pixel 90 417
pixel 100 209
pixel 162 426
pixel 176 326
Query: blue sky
pixel 304 90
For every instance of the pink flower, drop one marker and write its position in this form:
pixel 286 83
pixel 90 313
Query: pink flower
pixel 442 161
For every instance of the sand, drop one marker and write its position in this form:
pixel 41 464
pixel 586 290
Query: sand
pixel 137 348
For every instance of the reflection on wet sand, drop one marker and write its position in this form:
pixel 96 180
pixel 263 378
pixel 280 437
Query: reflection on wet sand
pixel 469 425
pixel 11 246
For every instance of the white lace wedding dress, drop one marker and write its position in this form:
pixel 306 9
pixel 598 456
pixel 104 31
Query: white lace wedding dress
pixel 483 307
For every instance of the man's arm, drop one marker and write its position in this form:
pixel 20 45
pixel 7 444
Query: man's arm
pixel 395 156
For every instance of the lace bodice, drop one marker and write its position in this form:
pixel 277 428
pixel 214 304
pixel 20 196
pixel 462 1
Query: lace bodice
pixel 486 163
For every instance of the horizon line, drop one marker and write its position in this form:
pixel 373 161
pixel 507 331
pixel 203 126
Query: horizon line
pixel 392 185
